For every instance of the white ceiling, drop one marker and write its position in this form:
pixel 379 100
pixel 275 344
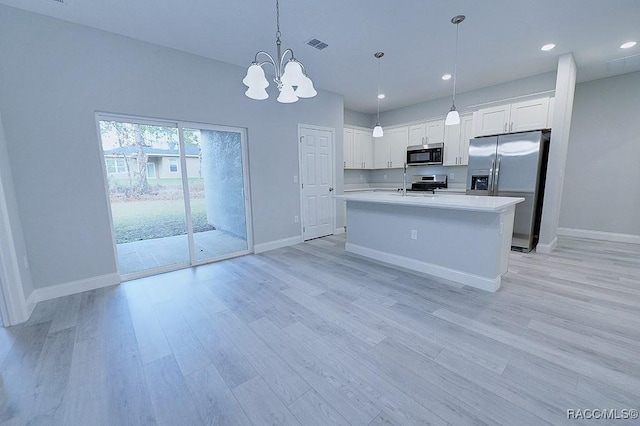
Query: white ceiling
pixel 499 41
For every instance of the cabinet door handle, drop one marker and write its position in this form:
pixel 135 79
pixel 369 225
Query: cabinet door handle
pixel 390 164
pixel 345 164
pixel 511 128
pixel 505 127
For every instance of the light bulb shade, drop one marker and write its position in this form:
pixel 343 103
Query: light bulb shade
pixel 306 89
pixel 293 75
pixel 377 131
pixel 255 77
pixel 453 118
pixel 257 93
pixel 287 95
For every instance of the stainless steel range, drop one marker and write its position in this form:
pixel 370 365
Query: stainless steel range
pixel 428 182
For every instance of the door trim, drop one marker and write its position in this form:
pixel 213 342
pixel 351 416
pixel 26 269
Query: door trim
pixel 13 306
pixel 333 172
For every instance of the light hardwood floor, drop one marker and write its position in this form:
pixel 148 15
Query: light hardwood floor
pixel 312 335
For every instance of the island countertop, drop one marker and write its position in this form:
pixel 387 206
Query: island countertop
pixel 440 201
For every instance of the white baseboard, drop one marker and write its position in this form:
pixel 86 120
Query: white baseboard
pixel 66 289
pixel 272 245
pixel 547 248
pixel 599 235
pixel 483 283
pixel 339 231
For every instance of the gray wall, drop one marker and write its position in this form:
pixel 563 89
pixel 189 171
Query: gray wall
pixel 356 118
pixel 223 181
pixel 602 177
pixel 56 74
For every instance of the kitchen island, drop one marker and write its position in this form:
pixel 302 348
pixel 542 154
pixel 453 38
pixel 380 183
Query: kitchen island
pixel 462 238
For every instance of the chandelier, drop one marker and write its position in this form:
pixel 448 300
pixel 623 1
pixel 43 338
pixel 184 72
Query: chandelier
pixel 288 74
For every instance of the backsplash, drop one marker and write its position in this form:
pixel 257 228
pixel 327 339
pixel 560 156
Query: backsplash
pixel 456 175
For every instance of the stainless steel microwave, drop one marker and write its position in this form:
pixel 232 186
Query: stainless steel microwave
pixel 425 154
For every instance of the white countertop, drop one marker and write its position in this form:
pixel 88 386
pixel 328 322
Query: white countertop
pixel 456 189
pixel 440 201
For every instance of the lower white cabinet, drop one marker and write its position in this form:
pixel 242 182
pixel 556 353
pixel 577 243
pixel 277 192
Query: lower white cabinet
pixel 456 142
pixel 358 149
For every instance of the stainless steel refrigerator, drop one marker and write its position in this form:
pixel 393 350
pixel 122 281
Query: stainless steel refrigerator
pixel 512 165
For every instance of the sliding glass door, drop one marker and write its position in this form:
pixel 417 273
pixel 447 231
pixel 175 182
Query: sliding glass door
pixel 177 191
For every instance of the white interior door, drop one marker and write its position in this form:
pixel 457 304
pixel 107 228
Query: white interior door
pixel 316 171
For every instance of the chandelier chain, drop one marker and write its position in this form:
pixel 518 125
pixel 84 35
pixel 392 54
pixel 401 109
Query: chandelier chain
pixel 278 21
pixel 378 94
pixel 455 65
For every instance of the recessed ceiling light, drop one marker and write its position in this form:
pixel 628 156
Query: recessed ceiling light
pixel 381 96
pixel 547 47
pixel 628 44
pixel 446 77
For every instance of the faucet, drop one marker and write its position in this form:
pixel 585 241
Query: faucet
pixel 404 181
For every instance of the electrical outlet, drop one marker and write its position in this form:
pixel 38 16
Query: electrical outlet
pixel 361 177
pixel 414 234
pixel 385 177
pixel 295 178
pixel 296 219
pixel 452 176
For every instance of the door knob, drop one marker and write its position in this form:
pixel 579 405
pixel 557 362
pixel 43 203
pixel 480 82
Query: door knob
pixel 330 189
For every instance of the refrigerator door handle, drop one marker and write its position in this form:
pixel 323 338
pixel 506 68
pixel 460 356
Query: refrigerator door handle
pixel 497 175
pixel 493 163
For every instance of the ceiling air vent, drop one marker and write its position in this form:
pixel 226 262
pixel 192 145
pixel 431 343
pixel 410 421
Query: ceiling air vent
pixel 314 42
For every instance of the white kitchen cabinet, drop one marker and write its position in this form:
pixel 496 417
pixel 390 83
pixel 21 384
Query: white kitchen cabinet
pixel 417 133
pixel 516 117
pixel 428 132
pixel 435 131
pixel 358 149
pixel 399 143
pixel 456 142
pixel 348 148
pixel 390 150
pixel 381 151
pixel 529 115
pixel 362 149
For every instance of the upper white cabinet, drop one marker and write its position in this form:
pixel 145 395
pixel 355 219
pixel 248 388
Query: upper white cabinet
pixel 362 149
pixel 435 131
pixel 348 148
pixel 427 132
pixel 417 133
pixel 516 117
pixel 358 149
pixel 456 142
pixel 390 150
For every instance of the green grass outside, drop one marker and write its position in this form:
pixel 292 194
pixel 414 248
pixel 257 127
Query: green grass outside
pixel 147 219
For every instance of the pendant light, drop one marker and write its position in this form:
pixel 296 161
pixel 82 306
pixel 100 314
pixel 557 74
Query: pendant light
pixel 453 118
pixel 288 74
pixel 377 131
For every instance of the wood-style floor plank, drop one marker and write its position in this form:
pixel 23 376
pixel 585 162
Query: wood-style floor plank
pixel 310 334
